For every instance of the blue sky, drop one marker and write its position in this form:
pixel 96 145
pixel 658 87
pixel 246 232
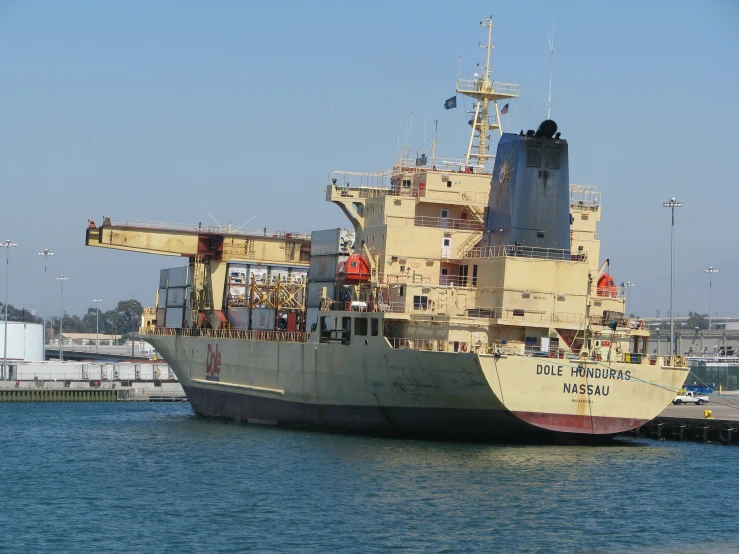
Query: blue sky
pixel 167 110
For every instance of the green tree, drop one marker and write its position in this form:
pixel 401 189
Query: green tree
pixel 697 320
pixel 18 314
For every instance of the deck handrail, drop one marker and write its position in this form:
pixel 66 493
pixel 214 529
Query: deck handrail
pixel 242 334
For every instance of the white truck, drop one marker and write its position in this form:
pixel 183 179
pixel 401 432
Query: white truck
pixel 689 397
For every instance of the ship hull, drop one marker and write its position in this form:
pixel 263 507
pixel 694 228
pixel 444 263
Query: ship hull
pixel 373 388
pixel 447 423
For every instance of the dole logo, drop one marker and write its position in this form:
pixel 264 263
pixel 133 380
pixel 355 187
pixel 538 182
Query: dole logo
pixel 212 364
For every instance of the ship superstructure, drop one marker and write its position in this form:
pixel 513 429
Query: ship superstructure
pixel 467 300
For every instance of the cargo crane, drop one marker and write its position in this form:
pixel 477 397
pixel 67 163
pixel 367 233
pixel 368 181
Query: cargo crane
pixel 207 283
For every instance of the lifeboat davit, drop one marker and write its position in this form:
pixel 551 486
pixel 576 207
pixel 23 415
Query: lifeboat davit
pixel 607 286
pixel 353 271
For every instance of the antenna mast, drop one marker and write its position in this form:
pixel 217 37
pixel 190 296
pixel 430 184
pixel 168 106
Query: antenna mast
pixel 432 154
pixel 552 46
pixel 482 89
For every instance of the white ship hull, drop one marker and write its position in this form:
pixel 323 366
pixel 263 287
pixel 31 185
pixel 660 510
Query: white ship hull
pixel 376 388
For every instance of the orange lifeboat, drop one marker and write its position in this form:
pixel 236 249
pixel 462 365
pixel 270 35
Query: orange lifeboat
pixel 607 286
pixel 353 271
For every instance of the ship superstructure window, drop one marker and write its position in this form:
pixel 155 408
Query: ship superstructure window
pixel 551 158
pixel 420 302
pixel 533 156
pixel 464 271
pixel 474 275
pixel 406 183
pixel 449 184
pixel 401 290
pixel 375 326
pixel 360 326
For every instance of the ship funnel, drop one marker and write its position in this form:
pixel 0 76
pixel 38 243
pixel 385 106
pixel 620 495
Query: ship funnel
pixel 530 191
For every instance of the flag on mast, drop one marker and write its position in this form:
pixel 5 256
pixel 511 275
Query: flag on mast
pixel 450 103
pixel 504 110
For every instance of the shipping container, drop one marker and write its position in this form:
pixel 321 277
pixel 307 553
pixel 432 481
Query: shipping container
pixel 732 325
pixel 174 318
pixel 281 273
pixel 298 275
pixel 163 278
pixel 162 298
pixel 314 293
pixel 161 315
pixel 311 318
pixel 237 295
pixel 263 319
pixel 179 277
pixel 237 274
pixel 330 242
pixel 259 273
pixel 179 297
pixel 238 318
pixel 323 268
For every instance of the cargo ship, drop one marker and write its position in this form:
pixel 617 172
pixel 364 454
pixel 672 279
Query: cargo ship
pixel 467 300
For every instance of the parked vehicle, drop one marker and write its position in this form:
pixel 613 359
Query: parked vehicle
pixel 689 397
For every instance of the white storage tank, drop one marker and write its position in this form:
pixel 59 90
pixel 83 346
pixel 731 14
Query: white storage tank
pixel 25 341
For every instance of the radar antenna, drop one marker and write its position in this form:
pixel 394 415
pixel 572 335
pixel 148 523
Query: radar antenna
pixel 482 89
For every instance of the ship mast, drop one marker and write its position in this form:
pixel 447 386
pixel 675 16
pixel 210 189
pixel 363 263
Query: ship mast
pixel 482 89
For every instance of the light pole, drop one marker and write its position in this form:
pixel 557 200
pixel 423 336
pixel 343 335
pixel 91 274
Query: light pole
pixel 61 280
pixel 711 270
pixel 8 244
pixel 45 253
pixel 626 286
pixel 672 204
pixel 97 322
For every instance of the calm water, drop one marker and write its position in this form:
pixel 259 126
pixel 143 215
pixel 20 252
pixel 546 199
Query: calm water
pixel 147 477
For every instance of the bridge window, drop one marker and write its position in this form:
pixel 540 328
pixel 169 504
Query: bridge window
pixel 375 326
pixel 360 326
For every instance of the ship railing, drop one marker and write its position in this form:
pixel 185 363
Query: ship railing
pixel 580 207
pixel 438 345
pixel 436 280
pixel 625 323
pixel 239 334
pixel 359 306
pixel 450 165
pixel 166 226
pixel 510 90
pixel 610 292
pixel 435 222
pixel 532 252
pixel 584 198
pixel 336 191
pixel 360 180
pixel 534 316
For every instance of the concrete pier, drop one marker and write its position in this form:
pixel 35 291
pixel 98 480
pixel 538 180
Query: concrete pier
pixel 95 391
pixel 688 422
pixel 58 395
